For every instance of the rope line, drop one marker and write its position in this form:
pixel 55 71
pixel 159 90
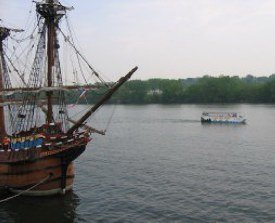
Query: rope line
pixel 22 192
pixel 111 118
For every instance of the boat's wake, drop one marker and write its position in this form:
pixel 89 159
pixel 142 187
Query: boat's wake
pixel 172 120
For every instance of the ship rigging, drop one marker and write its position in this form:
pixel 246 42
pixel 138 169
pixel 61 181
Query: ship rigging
pixel 31 148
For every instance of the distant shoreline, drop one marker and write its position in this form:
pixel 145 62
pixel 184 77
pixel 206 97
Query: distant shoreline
pixel 205 90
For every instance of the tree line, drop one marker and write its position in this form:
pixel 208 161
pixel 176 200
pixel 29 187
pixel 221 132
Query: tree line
pixel 207 89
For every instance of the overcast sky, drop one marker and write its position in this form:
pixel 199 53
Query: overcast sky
pixel 169 38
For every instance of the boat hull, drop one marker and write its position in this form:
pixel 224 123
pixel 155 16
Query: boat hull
pixel 229 121
pixel 58 169
pixel 41 193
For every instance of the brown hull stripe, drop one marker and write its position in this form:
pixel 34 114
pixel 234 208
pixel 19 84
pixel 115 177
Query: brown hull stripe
pixel 29 171
pixel 27 161
pixel 30 185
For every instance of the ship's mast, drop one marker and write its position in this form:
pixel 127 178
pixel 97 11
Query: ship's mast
pixel 52 12
pixel 4 33
pixel 51 37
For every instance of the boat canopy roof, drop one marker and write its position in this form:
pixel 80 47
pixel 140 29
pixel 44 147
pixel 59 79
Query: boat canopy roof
pixel 219 113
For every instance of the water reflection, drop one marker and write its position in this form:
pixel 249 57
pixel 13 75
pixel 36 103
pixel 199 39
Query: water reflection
pixel 43 209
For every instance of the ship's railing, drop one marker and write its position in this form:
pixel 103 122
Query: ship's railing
pixel 220 114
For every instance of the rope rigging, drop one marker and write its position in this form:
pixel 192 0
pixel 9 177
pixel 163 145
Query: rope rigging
pixel 32 75
pixel 78 59
pixel 27 110
pixel 62 114
pixel 21 76
pixel 111 118
pixel 28 189
pixel 83 58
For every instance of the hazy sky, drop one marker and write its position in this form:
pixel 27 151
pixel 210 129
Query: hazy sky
pixel 169 38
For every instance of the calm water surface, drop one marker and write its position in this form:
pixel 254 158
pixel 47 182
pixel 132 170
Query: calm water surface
pixel 160 164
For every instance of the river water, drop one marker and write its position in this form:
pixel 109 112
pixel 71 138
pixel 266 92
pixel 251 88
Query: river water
pixel 158 163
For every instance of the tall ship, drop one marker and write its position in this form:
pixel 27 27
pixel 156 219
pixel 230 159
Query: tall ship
pixel 38 139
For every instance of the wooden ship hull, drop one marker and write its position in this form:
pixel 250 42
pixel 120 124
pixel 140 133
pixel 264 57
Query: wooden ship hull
pixel 52 170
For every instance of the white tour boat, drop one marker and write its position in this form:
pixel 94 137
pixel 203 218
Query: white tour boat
pixel 222 117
